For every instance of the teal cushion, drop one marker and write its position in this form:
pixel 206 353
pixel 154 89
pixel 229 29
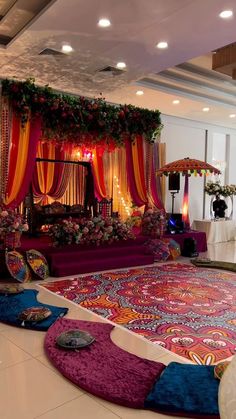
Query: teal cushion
pixel 186 390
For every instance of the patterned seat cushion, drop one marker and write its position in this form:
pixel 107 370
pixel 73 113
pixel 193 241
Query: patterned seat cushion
pixel 17 266
pixel 35 314
pixel 38 263
pixel 74 339
pixel 11 289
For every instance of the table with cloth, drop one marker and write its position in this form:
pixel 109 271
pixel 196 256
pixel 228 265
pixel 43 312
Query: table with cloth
pixel 217 230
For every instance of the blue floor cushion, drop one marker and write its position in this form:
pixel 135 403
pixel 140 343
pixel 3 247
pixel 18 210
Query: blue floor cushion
pixel 12 306
pixel 186 390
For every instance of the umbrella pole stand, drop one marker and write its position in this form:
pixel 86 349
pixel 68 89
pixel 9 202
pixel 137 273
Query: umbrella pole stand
pixel 173 201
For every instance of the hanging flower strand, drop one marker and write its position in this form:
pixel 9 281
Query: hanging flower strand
pixel 78 119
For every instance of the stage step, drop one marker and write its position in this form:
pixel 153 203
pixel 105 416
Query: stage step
pixel 78 259
pixel 65 268
pixel 95 253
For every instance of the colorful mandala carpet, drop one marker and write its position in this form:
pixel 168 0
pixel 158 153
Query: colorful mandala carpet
pixel 187 310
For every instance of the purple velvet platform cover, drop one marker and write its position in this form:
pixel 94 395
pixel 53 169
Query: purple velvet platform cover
pixel 102 368
pixel 199 236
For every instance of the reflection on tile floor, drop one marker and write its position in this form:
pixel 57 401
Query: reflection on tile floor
pixel 31 388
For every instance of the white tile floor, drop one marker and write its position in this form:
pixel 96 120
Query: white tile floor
pixel 30 387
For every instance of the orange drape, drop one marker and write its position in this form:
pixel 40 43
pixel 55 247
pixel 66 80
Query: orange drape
pixel 137 154
pixel 19 163
pixel 45 169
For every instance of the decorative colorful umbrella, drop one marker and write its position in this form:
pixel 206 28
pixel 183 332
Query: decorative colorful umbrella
pixel 187 167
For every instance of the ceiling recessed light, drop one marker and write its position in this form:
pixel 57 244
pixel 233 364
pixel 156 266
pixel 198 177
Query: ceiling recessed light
pixel 121 65
pixel 162 45
pixel 225 14
pixel 206 109
pixel 67 48
pixel 104 23
pixel 176 102
pixel 232 115
pixel 139 92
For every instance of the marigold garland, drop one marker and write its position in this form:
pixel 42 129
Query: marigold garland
pixel 78 119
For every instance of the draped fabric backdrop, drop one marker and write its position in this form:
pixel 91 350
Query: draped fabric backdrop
pixel 127 174
pixel 19 158
pixel 5 132
pixel 63 182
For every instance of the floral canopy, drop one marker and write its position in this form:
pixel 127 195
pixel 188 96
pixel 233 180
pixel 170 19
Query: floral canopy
pixel 38 123
pixel 76 119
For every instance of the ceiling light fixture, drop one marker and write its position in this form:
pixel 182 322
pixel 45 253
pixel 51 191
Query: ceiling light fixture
pixel 66 48
pixel 206 109
pixel 225 14
pixel 121 65
pixel 104 23
pixel 176 102
pixel 140 92
pixel 232 115
pixel 162 45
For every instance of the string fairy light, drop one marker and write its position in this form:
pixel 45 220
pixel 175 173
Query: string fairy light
pixel 122 200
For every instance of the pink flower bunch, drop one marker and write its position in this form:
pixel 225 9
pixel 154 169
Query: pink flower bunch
pixel 65 232
pixel 153 222
pixel 97 230
pixel 11 221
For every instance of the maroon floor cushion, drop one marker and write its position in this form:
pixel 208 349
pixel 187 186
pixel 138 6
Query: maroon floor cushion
pixel 102 368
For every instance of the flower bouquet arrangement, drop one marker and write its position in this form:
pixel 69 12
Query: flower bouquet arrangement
pixel 153 222
pixel 11 221
pixel 12 225
pixel 215 188
pixel 65 232
pixel 94 231
pixel 135 219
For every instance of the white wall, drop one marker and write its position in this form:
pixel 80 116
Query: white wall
pixel 186 138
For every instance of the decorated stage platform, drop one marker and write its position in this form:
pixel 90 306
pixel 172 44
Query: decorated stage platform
pixel 79 259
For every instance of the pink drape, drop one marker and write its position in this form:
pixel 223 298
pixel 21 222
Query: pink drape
pixel 155 180
pixel 185 209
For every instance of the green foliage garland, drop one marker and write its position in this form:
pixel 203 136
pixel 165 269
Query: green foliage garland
pixel 78 119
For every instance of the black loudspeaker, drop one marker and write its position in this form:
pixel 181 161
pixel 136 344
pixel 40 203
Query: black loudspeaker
pixel 190 248
pixel 174 182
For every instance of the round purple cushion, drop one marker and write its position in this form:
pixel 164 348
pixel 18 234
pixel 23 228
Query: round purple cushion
pixel 102 368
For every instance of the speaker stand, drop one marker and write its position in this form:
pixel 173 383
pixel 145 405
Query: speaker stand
pixel 173 201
